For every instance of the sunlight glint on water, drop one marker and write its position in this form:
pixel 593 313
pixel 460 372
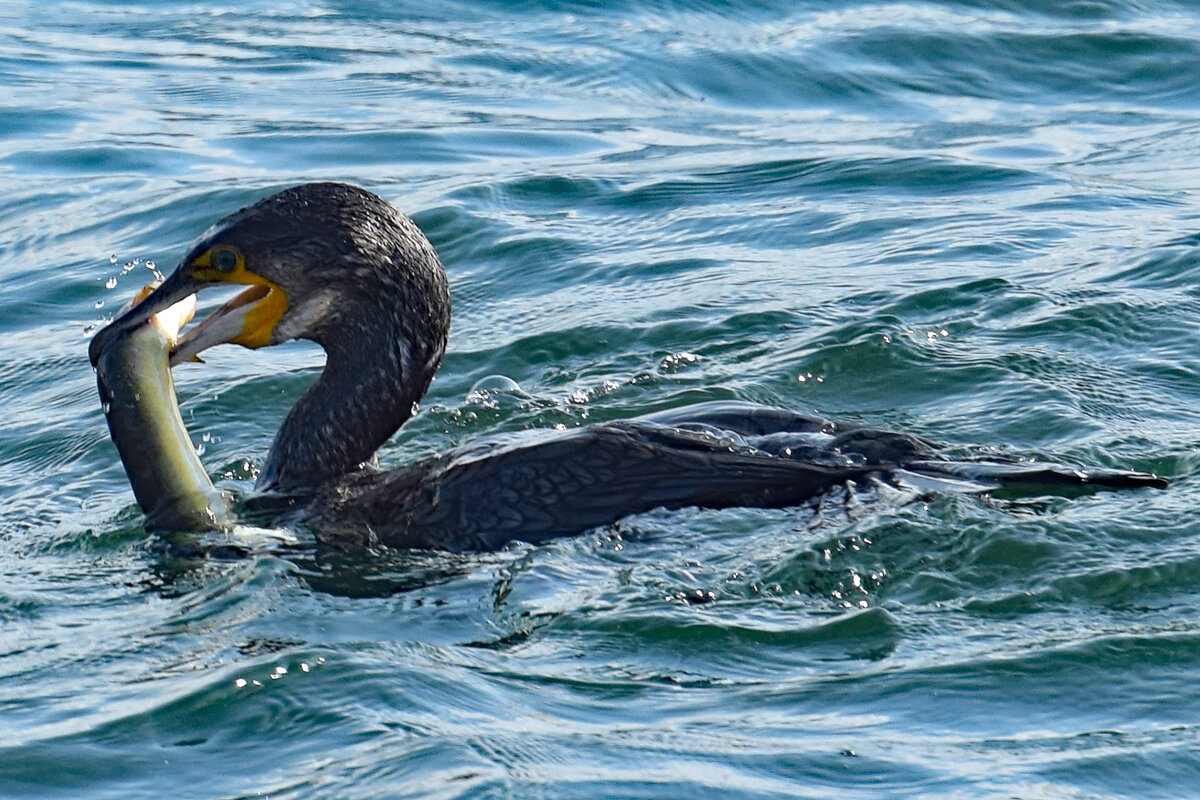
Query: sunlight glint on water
pixel 973 222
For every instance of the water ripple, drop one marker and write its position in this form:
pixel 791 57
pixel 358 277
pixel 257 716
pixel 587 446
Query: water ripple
pixel 973 221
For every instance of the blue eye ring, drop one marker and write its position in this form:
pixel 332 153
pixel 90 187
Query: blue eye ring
pixel 224 259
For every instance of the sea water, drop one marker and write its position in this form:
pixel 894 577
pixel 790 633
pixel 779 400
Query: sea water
pixel 972 221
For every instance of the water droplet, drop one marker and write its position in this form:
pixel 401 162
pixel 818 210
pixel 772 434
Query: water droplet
pixel 112 259
pixel 200 449
pixel 111 283
pixel 99 304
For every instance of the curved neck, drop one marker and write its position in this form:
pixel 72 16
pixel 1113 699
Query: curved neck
pixel 376 370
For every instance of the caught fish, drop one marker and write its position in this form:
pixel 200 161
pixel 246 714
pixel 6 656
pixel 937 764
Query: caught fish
pixel 138 397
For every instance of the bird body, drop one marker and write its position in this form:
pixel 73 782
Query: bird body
pixel 340 266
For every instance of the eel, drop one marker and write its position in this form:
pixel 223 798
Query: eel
pixel 137 394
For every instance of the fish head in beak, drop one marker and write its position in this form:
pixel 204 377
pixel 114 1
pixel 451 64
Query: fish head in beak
pixel 249 319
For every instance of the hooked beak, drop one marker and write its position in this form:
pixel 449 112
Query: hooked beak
pixel 249 319
pixel 175 288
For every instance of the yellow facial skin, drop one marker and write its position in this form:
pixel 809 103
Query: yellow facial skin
pixel 226 264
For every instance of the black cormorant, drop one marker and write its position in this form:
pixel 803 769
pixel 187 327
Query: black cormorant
pixel 340 266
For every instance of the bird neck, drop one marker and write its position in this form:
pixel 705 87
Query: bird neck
pixel 373 377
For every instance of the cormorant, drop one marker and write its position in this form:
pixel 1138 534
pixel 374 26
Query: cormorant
pixel 342 267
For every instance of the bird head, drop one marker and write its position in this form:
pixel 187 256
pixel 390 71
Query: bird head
pixel 300 257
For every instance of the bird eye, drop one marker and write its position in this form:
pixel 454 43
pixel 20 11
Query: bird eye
pixel 224 260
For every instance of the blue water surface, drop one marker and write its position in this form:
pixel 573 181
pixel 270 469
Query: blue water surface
pixel 973 221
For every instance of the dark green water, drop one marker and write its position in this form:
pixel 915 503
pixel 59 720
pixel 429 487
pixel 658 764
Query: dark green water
pixel 973 221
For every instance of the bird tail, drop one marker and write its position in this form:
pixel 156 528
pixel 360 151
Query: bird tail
pixel 1019 476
